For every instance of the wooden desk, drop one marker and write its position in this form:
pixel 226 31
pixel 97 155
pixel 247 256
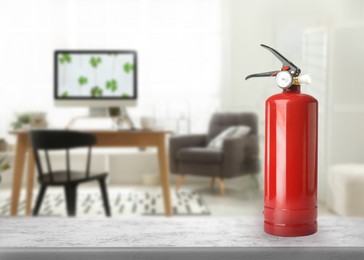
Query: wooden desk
pixel 105 138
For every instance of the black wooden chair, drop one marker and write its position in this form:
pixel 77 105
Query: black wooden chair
pixel 46 140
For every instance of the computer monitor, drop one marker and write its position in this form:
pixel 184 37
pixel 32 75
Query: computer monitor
pixel 95 78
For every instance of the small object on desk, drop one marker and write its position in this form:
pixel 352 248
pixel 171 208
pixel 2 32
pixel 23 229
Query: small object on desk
pixel 22 122
pixel 38 120
pixel 147 122
pixel 28 120
pixel 121 118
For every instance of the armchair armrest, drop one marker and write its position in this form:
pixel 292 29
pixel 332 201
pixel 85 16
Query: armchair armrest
pixel 252 147
pixel 183 141
pixel 237 151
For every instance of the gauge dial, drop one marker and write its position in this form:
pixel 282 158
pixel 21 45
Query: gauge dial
pixel 284 79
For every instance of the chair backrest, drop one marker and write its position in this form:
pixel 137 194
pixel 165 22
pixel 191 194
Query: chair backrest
pixel 221 121
pixel 59 140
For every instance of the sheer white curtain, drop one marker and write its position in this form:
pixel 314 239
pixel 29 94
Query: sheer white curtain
pixel 178 42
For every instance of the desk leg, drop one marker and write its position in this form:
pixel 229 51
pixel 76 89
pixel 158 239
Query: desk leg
pixel 20 151
pixel 164 174
pixel 30 183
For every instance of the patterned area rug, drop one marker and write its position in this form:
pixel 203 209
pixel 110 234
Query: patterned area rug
pixel 123 203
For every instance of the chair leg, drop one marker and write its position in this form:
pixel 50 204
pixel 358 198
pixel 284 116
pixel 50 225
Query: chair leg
pixel 180 181
pixel 212 182
pixel 71 199
pixel 39 200
pixel 67 199
pixel 105 198
pixel 221 186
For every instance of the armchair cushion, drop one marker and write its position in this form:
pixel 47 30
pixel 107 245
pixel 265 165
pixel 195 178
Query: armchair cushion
pixel 184 141
pixel 221 121
pixel 231 132
pixel 237 153
pixel 201 155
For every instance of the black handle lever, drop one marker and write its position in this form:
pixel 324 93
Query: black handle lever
pixel 287 65
pixel 263 74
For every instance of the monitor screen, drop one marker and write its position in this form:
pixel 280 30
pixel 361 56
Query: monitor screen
pixel 95 75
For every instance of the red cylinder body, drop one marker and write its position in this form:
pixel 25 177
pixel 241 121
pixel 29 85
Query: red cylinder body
pixel 290 170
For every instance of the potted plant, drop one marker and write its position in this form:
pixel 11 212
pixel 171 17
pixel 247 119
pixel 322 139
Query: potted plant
pixel 22 121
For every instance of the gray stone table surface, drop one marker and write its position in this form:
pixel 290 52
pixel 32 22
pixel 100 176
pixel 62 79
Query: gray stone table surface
pixel 179 238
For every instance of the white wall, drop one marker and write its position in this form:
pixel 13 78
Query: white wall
pixel 346 124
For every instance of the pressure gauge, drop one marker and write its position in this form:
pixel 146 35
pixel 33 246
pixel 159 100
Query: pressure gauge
pixel 284 79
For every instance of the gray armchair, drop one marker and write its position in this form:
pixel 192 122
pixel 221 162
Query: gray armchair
pixel 189 154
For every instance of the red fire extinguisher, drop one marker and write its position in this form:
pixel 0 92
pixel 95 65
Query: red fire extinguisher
pixel 290 170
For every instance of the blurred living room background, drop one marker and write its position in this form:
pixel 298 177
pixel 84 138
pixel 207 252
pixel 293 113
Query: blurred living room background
pixel 193 56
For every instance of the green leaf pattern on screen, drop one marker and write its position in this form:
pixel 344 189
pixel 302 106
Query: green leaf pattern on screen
pixel 82 80
pixel 95 61
pixel 112 85
pixel 128 67
pixel 65 58
pixel 96 91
